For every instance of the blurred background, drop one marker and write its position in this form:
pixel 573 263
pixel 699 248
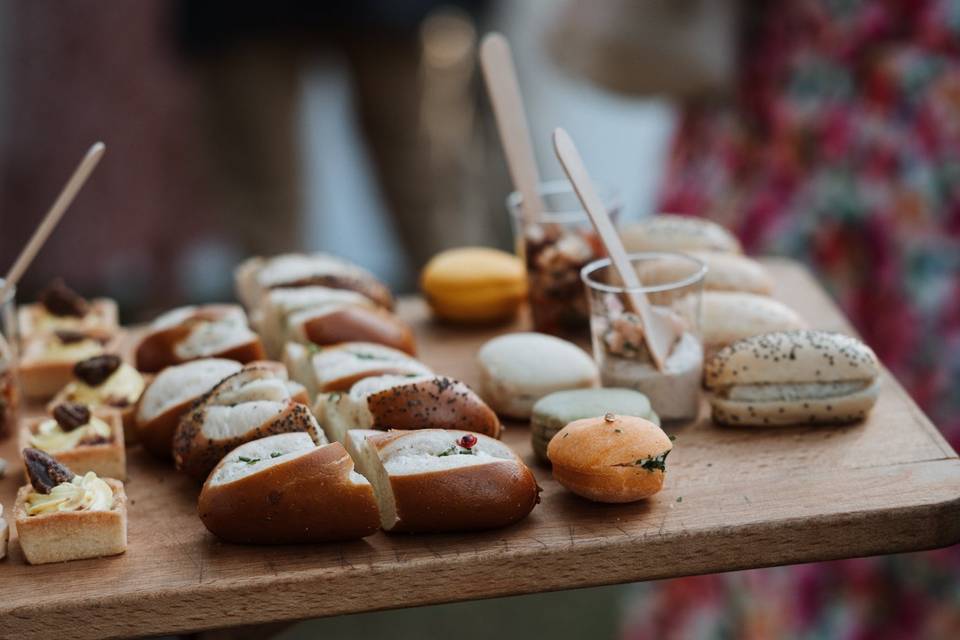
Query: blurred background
pixel 825 130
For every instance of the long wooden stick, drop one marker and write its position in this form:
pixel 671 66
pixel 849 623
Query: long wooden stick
pixel 501 79
pixel 657 332
pixel 60 205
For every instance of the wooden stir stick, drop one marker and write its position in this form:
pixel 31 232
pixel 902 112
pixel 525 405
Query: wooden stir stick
pixel 501 80
pixel 658 333
pixel 70 190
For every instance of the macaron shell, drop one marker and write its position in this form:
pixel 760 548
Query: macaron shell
pixel 839 410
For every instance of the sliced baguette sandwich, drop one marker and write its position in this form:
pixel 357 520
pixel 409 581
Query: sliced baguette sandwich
pixel 194 332
pixel 253 403
pixel 436 480
pixel 170 395
pixel 793 377
pixel 405 403
pixel 284 489
pixel 256 276
pixel 337 368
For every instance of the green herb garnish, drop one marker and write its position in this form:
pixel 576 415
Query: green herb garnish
pixel 313 349
pixel 653 464
pixel 276 454
pixel 456 451
pixel 680 499
pixel 365 356
pixel 249 460
pixel 334 397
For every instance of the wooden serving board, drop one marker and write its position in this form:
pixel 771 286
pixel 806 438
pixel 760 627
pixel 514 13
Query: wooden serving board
pixel 734 499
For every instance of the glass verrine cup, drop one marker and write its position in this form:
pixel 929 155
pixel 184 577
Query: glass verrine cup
pixel 9 383
pixel 673 283
pixel 554 250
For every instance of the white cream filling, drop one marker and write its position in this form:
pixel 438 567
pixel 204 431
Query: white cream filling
pixel 795 391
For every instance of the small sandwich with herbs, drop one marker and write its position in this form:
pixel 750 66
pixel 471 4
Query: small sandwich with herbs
pixel 63 516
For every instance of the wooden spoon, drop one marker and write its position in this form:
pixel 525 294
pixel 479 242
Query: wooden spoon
pixel 658 332
pixel 501 80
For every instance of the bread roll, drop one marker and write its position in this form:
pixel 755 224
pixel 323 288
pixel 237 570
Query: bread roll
pixel 252 403
pixel 611 458
pixel 793 377
pixel 169 396
pixel 283 489
pixel 191 333
pixel 337 368
pixel 278 306
pixel 329 326
pixel 256 276
pixel 667 232
pixel 405 403
pixel 730 316
pixel 725 272
pixel 436 480
pixel 518 369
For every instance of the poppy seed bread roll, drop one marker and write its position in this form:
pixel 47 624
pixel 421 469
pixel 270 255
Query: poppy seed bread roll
pixel 793 377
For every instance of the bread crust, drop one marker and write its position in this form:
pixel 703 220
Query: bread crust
pixel 72 535
pixel 485 496
pixel 107 460
pixel 729 316
pixel 354 323
pixel 309 499
pixel 438 403
pixel 596 458
pixel 843 409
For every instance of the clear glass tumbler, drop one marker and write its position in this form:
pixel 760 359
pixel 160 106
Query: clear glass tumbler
pixel 9 384
pixel 554 250
pixel 673 283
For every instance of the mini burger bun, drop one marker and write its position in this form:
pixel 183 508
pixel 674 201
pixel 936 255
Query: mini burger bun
pixel 596 458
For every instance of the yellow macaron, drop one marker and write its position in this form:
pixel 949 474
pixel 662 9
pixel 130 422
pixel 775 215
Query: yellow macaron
pixel 474 284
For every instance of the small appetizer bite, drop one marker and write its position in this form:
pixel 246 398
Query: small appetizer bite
pixel 725 272
pixel 668 232
pixel 4 535
pixel 793 377
pixel 728 316
pixel 436 480
pixel 76 436
pixel 252 403
pixel 257 276
pixel 191 333
pixel 47 360
pixel 555 411
pixel 105 383
pixel 405 403
pixel 284 489
pixel 611 458
pixel 337 368
pixel 63 516
pixel 518 369
pixel 474 285
pixel 61 308
pixel 171 394
pixel 324 316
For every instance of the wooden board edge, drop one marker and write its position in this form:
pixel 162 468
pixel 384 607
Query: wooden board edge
pixel 424 582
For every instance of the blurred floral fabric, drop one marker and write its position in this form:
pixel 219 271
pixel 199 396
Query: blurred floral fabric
pixel 842 149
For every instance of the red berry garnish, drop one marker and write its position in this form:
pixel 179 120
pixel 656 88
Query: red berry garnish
pixel 467 441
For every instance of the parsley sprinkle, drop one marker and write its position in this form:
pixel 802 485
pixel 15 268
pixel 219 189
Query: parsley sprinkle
pixel 276 454
pixel 654 463
pixel 249 460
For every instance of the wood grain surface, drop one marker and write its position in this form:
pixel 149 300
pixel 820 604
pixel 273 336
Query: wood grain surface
pixel 750 498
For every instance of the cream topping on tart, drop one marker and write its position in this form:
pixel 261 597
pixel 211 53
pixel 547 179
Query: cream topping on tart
pixel 72 351
pixel 83 493
pixel 51 437
pixel 122 388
